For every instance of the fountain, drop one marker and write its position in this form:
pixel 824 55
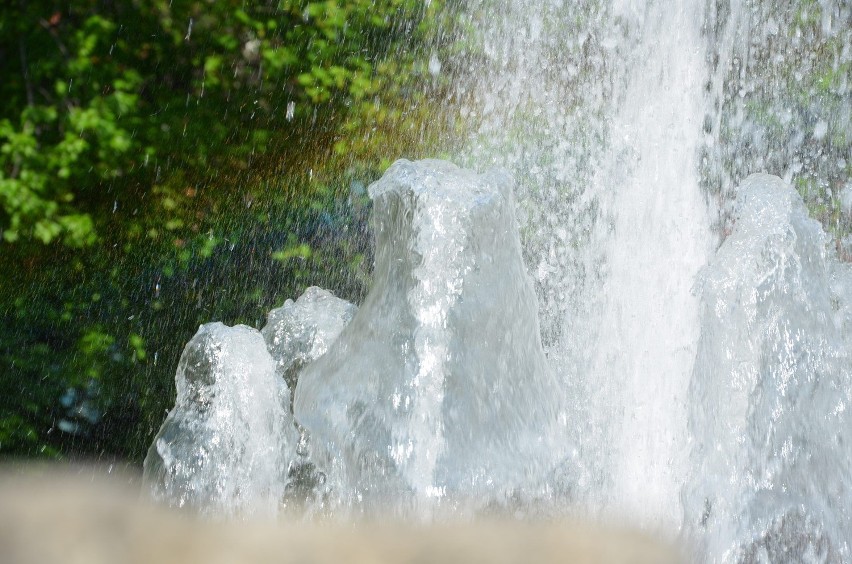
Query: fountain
pixel 645 332
pixel 770 387
pixel 224 448
pixel 439 387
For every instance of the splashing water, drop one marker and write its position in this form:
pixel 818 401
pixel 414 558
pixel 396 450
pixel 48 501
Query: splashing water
pixel 770 387
pixel 628 126
pixel 224 447
pixel 680 354
pixel 439 389
pixel 656 238
pixel 625 232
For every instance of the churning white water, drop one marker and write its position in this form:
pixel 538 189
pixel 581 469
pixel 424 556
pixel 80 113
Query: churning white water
pixel 655 337
pixel 627 234
pixel 631 126
pixel 657 238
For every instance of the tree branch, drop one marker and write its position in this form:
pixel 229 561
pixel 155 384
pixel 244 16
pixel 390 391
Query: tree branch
pixel 25 68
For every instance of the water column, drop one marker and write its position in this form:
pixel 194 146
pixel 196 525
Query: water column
pixel 597 109
pixel 659 238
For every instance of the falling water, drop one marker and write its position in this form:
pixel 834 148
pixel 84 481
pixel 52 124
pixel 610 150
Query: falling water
pixel 657 237
pixel 630 125
pixel 625 235
pixel 664 340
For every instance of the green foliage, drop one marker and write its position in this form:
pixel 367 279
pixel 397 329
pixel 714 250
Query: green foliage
pixel 164 163
pixel 64 131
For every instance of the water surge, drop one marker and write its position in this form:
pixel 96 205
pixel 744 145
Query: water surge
pixel 617 319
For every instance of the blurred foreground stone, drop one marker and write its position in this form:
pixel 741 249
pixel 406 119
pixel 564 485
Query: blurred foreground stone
pixel 46 517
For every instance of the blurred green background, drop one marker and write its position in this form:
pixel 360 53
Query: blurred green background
pixel 164 163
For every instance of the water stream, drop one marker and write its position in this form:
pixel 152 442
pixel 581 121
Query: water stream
pixel 624 325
